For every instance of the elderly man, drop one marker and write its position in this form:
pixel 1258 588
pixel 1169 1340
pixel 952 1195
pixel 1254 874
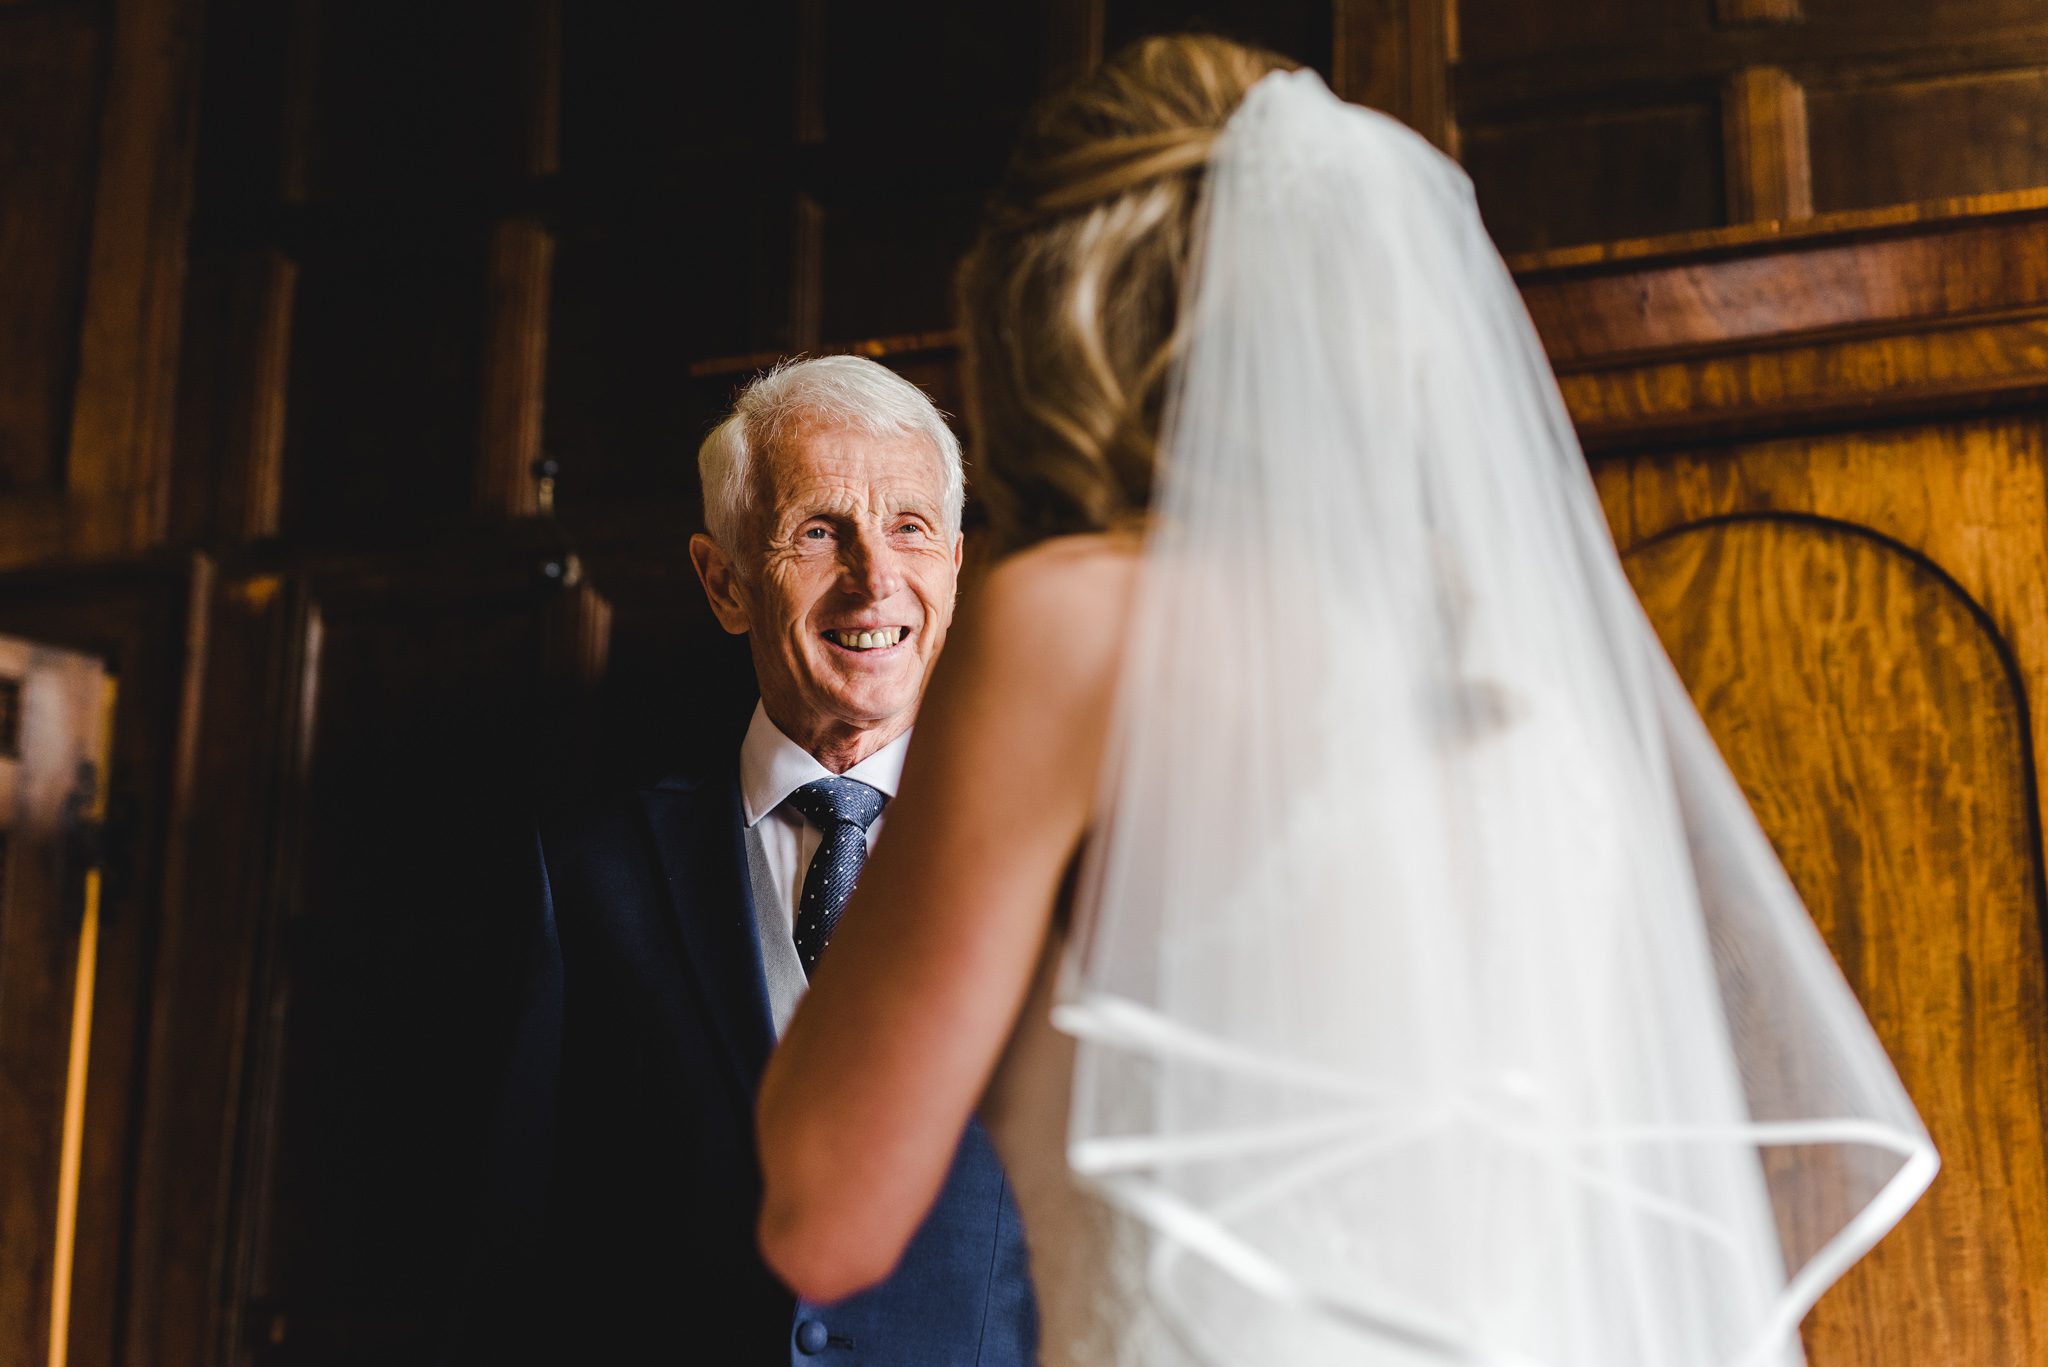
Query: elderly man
pixel 679 926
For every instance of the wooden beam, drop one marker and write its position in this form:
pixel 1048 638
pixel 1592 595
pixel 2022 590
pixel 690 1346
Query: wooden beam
pixel 124 401
pixel 299 102
pixel 1763 125
pixel 808 110
pixel 806 274
pixel 1073 40
pixel 1396 56
pixel 1743 13
pixel 263 293
pixel 540 88
pixel 515 357
pixel 576 633
pixel 1882 52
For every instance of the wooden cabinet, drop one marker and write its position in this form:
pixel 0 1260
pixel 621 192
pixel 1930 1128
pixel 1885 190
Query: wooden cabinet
pixel 1824 461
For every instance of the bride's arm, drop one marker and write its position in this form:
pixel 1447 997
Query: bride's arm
pixel 863 1103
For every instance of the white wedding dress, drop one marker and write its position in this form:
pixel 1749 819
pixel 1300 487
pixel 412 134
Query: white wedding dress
pixel 1087 1257
pixel 1431 994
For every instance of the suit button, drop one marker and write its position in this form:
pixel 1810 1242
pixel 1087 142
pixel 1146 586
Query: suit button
pixel 811 1337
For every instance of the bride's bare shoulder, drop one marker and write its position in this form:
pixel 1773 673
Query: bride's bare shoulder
pixel 1068 597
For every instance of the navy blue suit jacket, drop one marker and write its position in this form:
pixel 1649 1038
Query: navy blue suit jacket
pixel 620 1225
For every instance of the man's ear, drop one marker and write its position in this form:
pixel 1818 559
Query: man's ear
pixel 959 550
pixel 721 581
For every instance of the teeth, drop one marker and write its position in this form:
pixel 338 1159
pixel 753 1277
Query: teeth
pixel 870 640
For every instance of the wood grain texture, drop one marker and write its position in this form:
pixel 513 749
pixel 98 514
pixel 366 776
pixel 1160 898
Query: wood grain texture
pixel 1907 315
pixel 1953 134
pixel 1396 56
pixel 1073 39
pixel 1850 276
pixel 1766 175
pixel 1733 13
pixel 183 1232
pixel 1879 731
pixel 148 621
pixel 1590 57
pixel 514 367
pixel 49 87
pixel 1828 382
pixel 123 406
pixel 234 372
pixel 1583 175
pixel 1739 287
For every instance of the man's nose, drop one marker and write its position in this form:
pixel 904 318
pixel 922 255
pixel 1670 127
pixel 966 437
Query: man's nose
pixel 873 567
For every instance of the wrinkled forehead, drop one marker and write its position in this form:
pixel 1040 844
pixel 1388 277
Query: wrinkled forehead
pixel 815 466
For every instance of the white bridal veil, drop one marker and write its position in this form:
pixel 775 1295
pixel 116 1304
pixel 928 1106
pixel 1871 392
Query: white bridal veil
pixel 1438 997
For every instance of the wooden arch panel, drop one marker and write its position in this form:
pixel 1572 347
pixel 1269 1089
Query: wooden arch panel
pixel 1879 731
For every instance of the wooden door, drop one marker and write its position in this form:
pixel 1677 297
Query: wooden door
pixel 1825 463
pixel 54 711
pixel 1876 723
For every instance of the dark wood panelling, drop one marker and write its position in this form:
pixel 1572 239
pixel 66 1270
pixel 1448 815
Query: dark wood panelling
pixel 381 421
pixel 1964 135
pixel 1904 102
pixel 634 303
pixel 1301 29
pixel 1633 172
pixel 439 705
pixel 52 768
pixel 1395 55
pixel 49 104
pixel 1764 132
pixel 148 623
pixel 905 69
pixel 1836 319
pixel 630 116
pixel 1893 50
pixel 399 928
pixel 398 259
pixel 416 99
pixel 1515 30
pixel 1872 272
pixel 124 405
pixel 232 395
pixel 513 380
pixel 879 253
pixel 96 353
pixel 1934 16
pixel 193 1175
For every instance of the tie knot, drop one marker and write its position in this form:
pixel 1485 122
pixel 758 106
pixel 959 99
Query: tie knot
pixel 827 802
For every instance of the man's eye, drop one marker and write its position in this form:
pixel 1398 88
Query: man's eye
pixel 914 527
pixel 815 533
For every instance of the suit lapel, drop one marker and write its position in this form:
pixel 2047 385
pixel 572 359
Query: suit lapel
pixel 701 838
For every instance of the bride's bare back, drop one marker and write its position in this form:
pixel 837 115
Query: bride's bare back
pixel 932 963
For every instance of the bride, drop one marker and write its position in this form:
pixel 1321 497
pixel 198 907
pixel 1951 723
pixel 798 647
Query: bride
pixel 1307 861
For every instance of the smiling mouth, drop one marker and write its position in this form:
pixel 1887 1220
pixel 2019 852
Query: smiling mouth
pixel 863 641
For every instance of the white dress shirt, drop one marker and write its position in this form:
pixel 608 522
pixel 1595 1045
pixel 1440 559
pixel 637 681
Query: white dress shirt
pixel 780 842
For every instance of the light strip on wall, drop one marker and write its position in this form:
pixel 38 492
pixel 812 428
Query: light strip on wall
pixel 73 1149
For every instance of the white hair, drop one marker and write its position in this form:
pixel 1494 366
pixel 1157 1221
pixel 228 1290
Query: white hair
pixel 848 390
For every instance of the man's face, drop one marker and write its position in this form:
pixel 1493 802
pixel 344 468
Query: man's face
pixel 848 602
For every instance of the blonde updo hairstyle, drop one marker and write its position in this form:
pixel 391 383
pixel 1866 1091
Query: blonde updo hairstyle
pixel 1070 297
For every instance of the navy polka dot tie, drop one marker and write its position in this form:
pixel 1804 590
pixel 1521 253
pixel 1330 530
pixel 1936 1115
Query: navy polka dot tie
pixel 842 808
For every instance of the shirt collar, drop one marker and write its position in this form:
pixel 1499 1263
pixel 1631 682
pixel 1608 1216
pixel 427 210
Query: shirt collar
pixel 772 766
